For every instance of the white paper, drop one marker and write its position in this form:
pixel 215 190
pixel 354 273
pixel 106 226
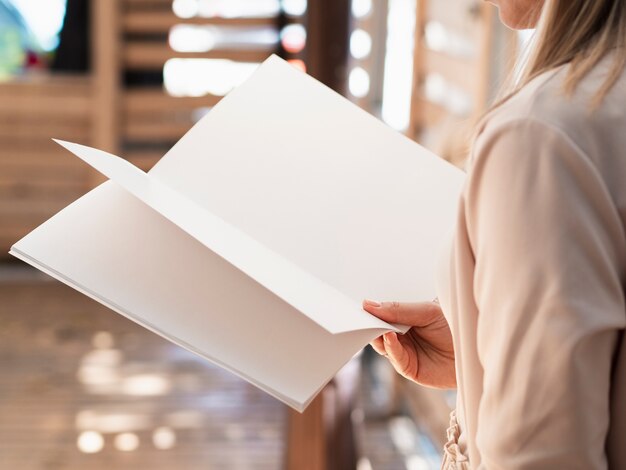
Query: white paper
pixel 255 239
pixel 320 302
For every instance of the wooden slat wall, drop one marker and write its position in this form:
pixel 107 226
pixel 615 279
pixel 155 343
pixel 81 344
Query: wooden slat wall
pixel 148 115
pixel 148 100
pixel 37 177
pixel 467 71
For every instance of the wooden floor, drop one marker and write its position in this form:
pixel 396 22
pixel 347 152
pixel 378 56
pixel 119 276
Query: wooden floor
pixel 84 388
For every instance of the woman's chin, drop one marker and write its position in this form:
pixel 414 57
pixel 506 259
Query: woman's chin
pixel 518 18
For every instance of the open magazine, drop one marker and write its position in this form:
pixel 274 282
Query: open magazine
pixel 254 240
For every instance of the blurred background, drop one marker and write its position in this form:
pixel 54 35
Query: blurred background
pixel 83 388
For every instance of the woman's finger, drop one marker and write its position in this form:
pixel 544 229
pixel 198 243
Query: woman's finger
pixel 378 346
pixel 396 352
pixel 413 314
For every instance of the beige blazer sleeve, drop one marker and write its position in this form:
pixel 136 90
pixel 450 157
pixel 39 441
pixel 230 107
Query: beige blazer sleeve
pixel 550 303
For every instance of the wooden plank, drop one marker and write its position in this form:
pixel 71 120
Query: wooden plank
pixel 35 131
pixel 306 448
pixel 41 190
pixel 44 120
pixel 429 113
pixel 23 208
pixel 49 105
pixel 153 55
pixel 8 239
pixel 415 118
pixel 322 437
pixel 106 40
pixel 40 184
pixel 142 101
pixel 157 131
pixel 462 17
pixel 49 155
pixel 152 3
pixel 145 159
pixel 46 85
pixel 162 21
pixel 12 230
pixel 16 210
pixel 328 26
pixel 11 173
pixel 46 126
pixel 459 72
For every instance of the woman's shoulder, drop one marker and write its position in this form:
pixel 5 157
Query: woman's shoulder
pixel 544 106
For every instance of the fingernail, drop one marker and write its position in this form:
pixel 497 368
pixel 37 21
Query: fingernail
pixel 372 303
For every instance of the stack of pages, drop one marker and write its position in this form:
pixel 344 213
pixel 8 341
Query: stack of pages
pixel 253 242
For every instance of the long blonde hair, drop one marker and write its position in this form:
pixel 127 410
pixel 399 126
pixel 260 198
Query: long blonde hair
pixel 576 32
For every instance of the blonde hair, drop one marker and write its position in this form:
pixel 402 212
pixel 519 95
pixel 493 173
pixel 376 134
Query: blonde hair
pixel 575 32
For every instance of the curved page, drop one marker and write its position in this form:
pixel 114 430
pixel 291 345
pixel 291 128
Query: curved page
pixel 318 301
pixel 112 247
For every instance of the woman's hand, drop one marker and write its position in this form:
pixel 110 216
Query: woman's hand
pixel 425 354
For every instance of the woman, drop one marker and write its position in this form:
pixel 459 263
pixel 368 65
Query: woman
pixel 532 316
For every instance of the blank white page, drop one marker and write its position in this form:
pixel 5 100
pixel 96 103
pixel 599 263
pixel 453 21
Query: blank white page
pixel 321 182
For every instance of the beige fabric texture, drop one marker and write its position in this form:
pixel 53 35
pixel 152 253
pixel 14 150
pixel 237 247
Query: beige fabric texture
pixel 532 283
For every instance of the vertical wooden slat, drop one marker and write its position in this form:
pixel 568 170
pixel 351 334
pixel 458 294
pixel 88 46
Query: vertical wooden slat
pixel 322 438
pixel 328 29
pixel 105 26
pixel 415 117
pixel 306 437
pixel 378 54
pixel 476 75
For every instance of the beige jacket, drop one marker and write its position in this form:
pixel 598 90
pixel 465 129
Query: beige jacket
pixel 533 284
